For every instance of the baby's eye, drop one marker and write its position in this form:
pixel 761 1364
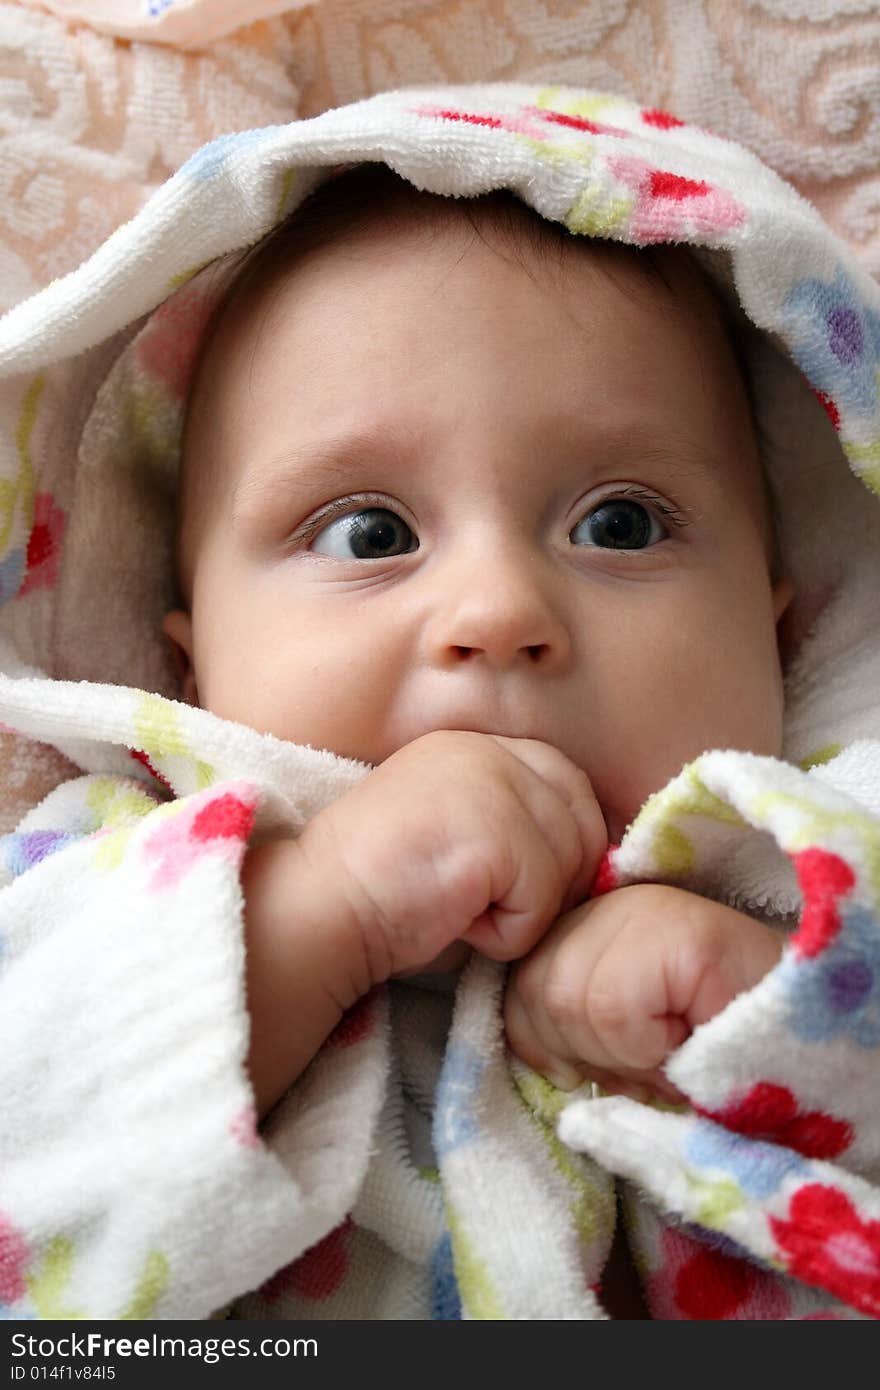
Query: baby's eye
pixel 370 534
pixel 619 524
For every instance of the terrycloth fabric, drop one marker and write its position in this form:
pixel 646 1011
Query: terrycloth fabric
pixel 414 1171
pixel 183 22
pixel 103 99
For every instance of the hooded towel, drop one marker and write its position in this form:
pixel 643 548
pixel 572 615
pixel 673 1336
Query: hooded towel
pixel 414 1170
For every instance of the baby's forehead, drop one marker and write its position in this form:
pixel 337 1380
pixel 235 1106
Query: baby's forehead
pixel 660 281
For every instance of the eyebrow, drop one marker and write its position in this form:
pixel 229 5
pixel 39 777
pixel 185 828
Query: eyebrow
pixel 329 461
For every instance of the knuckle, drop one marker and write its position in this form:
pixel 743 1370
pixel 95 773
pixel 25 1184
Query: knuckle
pixel 463 873
pixel 445 743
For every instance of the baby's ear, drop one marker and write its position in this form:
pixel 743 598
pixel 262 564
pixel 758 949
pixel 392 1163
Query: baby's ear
pixel 177 627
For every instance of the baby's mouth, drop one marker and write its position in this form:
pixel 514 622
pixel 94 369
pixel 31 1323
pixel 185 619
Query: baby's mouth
pixel 498 726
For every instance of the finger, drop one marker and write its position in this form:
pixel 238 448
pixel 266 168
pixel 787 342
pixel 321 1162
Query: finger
pixel 628 1007
pixel 525 897
pixel 720 953
pixel 584 987
pixel 532 1037
pixel 575 789
pixel 531 1033
pixel 545 1005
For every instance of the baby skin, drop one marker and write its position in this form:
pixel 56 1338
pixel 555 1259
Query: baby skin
pixel 499 531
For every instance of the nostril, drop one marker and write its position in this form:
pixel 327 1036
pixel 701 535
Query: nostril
pixel 535 653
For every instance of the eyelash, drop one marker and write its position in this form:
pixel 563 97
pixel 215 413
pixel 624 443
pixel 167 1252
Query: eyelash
pixel 673 515
pixel 342 506
pixel 348 506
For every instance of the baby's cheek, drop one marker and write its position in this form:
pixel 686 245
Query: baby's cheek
pixel 707 693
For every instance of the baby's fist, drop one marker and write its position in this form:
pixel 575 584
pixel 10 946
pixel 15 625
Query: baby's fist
pixel 620 982
pixel 456 837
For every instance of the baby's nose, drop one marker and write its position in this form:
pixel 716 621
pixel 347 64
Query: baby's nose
pixel 503 615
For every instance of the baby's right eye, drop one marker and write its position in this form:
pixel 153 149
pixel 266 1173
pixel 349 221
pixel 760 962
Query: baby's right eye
pixel 374 533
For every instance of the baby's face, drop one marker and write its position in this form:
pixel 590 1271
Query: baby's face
pixel 450 494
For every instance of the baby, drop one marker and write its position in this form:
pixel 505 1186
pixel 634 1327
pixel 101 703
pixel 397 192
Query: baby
pixel 449 484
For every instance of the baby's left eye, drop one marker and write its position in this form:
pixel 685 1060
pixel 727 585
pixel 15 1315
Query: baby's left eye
pixel 618 524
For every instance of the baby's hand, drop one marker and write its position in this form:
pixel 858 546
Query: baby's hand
pixel 621 981
pixel 456 837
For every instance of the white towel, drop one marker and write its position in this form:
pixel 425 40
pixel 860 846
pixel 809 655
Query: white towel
pixel 134 1182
